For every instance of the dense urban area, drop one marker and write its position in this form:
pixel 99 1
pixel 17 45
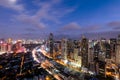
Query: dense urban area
pixel 64 59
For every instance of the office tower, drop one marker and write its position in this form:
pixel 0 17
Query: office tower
pixel 70 48
pixel 64 48
pixel 91 51
pixel 118 51
pixel 76 50
pixel 102 52
pixel 3 45
pixel 51 44
pixel 107 50
pixel 96 49
pixel 91 55
pixel 84 51
pixel 113 43
pixel 56 50
pixel 9 45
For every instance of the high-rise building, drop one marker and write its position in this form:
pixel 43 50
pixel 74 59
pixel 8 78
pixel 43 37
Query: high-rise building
pixel 84 51
pixel 91 51
pixel 96 49
pixel 118 51
pixel 107 50
pixel 70 47
pixel 113 43
pixel 64 48
pixel 3 45
pixel 76 50
pixel 9 45
pixel 51 44
pixel 91 56
pixel 102 51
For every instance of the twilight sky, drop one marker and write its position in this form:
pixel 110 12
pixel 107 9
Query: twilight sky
pixel 37 18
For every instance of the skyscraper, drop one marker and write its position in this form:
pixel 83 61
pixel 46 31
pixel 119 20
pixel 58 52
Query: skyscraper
pixel 76 50
pixel 64 48
pixel 113 43
pixel 9 45
pixel 107 50
pixel 91 55
pixel 118 51
pixel 70 47
pixel 84 51
pixel 51 44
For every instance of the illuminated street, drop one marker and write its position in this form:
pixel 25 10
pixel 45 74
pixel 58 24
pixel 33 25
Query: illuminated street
pixel 59 39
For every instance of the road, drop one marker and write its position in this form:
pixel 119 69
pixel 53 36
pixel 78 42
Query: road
pixel 21 66
pixel 64 71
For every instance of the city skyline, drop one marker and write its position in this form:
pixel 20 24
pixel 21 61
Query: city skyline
pixel 37 18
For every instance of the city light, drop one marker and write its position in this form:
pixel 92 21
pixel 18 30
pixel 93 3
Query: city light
pixel 59 39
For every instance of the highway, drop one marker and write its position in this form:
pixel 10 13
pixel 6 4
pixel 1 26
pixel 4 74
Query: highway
pixel 63 71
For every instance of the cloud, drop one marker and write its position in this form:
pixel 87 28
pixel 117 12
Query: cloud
pixel 30 20
pixel 30 29
pixel 117 28
pixel 114 25
pixel 44 13
pixel 71 27
pixel 38 17
pixel 92 28
pixel 74 27
pixel 11 5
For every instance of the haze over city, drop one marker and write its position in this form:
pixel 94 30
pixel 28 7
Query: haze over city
pixel 37 18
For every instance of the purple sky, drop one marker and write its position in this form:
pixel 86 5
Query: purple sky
pixel 37 18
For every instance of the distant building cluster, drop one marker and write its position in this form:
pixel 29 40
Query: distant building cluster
pixel 16 46
pixel 96 55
